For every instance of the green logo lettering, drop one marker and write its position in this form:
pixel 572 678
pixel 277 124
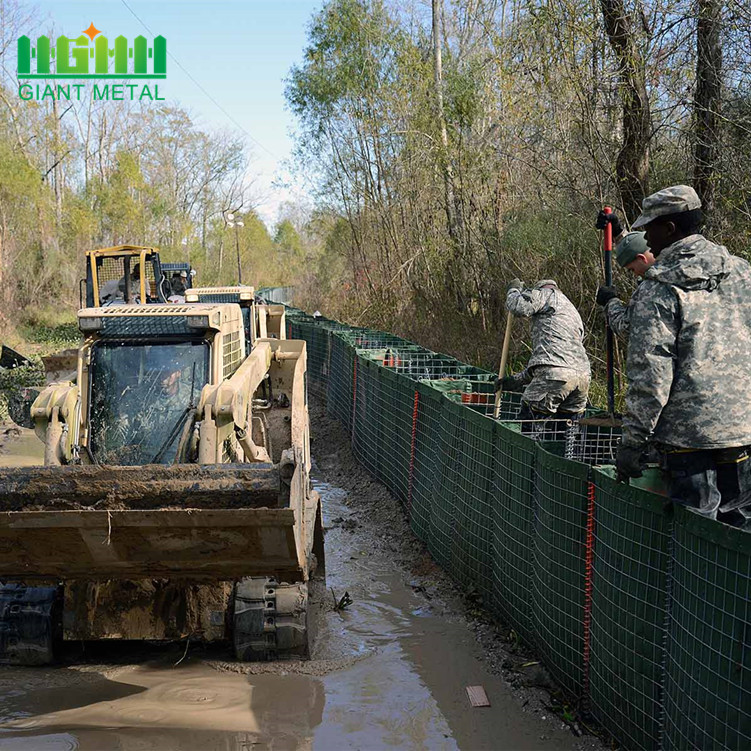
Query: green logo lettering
pixel 71 57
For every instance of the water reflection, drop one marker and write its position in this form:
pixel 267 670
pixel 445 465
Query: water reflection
pixel 165 708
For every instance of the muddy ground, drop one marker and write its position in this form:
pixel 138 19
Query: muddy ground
pixel 389 671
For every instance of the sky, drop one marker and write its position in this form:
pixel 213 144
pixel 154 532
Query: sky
pixel 239 51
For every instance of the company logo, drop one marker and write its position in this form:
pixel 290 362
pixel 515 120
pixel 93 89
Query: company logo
pixel 72 57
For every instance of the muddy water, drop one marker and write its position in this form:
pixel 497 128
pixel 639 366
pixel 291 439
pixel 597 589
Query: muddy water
pixel 19 447
pixel 389 672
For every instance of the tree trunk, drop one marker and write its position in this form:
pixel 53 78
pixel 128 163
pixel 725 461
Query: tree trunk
pixel 57 168
pixel 448 176
pixel 707 102
pixel 632 166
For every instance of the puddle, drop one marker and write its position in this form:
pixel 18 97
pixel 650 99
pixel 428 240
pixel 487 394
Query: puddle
pixel 19 447
pixel 407 664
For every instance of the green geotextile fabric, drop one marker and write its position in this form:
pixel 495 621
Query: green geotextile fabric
pixel 513 528
pixel 629 584
pixel 422 496
pixel 382 432
pixel 708 667
pixel 397 396
pixel 650 626
pixel 560 503
pixel 465 495
pixel 339 390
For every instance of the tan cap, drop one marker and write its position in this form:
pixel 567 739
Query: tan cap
pixel 672 200
pixel 632 245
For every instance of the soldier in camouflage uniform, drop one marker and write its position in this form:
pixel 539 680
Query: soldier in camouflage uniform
pixel 688 360
pixel 557 375
pixel 632 253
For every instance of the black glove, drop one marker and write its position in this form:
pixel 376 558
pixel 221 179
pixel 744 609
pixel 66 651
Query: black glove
pixel 508 383
pixel 605 295
pixel 515 284
pixel 628 463
pixel 612 218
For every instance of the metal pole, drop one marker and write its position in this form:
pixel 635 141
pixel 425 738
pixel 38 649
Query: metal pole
pixel 609 343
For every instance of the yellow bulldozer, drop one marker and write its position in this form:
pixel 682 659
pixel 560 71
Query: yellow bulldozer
pixel 174 501
pixel 131 274
pixel 261 320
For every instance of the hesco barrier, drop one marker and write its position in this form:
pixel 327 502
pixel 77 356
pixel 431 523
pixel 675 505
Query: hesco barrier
pixel 640 611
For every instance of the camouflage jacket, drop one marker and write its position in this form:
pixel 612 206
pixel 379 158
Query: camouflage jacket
pixel 689 350
pixel 618 315
pixel 557 328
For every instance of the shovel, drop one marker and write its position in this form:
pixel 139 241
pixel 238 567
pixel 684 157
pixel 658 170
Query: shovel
pixel 607 247
pixel 502 366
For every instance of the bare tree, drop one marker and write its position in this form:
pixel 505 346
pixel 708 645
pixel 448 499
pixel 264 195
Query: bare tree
pixel 707 98
pixel 448 175
pixel 632 165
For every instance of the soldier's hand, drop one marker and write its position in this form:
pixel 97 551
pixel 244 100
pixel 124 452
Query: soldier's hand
pixel 628 463
pixel 605 294
pixel 508 383
pixel 604 219
pixel 515 284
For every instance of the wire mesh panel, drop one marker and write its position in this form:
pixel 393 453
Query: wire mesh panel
pixel 367 417
pixel 317 352
pixel 421 497
pixel 341 374
pixel 629 585
pixel 652 625
pixel 428 365
pixel 361 338
pixel 593 440
pixel 558 570
pixel 513 527
pixel 444 512
pixel 467 482
pixel 550 433
pixel 397 395
pixel 478 394
pixel 708 666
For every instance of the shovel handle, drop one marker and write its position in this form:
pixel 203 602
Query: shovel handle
pixel 502 366
pixel 607 247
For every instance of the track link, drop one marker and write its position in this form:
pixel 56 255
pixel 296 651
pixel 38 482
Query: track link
pixel 270 619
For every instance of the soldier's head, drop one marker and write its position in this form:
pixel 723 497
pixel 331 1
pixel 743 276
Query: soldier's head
pixel 669 215
pixel 169 382
pixel 633 253
pixel 167 375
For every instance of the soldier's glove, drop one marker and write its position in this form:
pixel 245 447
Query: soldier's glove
pixel 628 463
pixel 508 383
pixel 605 295
pixel 515 284
pixel 603 219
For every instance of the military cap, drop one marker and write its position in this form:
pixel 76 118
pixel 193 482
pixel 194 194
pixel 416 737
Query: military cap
pixel 632 245
pixel 673 200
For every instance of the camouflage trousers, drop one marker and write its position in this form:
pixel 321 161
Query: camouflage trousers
pixel 705 480
pixel 554 390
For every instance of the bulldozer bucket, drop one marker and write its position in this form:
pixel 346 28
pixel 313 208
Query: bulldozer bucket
pixel 219 523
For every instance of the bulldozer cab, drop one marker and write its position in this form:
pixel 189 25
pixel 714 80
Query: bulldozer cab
pixel 242 296
pixel 123 275
pixel 142 372
pixel 261 321
pixel 178 278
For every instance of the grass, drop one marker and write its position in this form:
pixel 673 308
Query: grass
pixel 44 331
